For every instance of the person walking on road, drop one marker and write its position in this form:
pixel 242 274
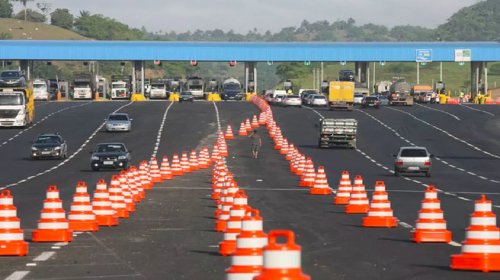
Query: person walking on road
pixel 256 143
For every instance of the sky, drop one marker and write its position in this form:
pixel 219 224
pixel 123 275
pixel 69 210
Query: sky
pixel 242 16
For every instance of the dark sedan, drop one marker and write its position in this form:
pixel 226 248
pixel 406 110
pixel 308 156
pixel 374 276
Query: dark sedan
pixel 49 145
pixel 110 156
pixel 186 96
pixel 370 101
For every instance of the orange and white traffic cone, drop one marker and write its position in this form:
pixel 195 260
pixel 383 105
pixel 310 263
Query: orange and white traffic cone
pixel 81 216
pixel 290 152
pixel 186 167
pixel 166 173
pixel 320 186
pixel 136 175
pixel 262 118
pixel 126 192
pixel 255 122
pixel 52 226
pixel 193 161
pixel 282 260
pixel 307 179
pixel 481 247
pixel 117 198
pixel 227 195
pixel 380 213
pixel 278 142
pixel 431 226
pixel 233 225
pixel 344 190
pixel 133 184
pixel 284 147
pixel 247 260
pixel 144 175
pixel 229 133
pixel 154 170
pixel 248 126
pixel 11 235
pixel 243 130
pixel 301 167
pixel 176 166
pixel 105 215
pixel 358 203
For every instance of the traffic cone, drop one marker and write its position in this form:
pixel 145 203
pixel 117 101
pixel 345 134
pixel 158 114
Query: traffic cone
pixel 186 167
pixel 284 147
pixel 282 260
pixel 307 179
pixel 219 184
pixel 11 235
pixel 166 173
pixel 344 190
pixel 320 186
pixel 105 215
pixel 255 123
pixel 144 175
pixel 176 166
pixel 229 133
pixel 243 130
pixel 278 142
pixel 481 247
pixel 136 176
pixel 301 166
pixel 380 213
pixel 227 195
pixel 291 151
pixel 81 216
pixel 126 192
pixel 233 226
pixel 431 226
pixel 248 126
pixel 116 197
pixel 358 203
pixel 131 183
pixel 216 153
pixel 262 118
pixel 154 170
pixel 247 260
pixel 52 226
pixel 193 161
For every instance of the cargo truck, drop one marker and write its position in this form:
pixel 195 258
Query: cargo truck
pixel 231 89
pixel 341 95
pixel 84 86
pixel 158 89
pixel 121 86
pixel 195 85
pixel 337 133
pixel 41 90
pixel 400 93
pixel 17 106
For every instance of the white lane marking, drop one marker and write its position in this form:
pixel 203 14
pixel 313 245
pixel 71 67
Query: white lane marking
pixel 453 243
pixel 217 116
pixel 40 121
pixel 31 264
pixel 474 109
pixel 405 225
pixel 446 132
pixel 437 158
pixel 44 256
pixel 17 275
pixel 441 111
pixel 69 158
pixel 160 130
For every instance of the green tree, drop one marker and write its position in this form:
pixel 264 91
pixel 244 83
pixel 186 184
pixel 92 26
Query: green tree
pixel 62 18
pixel 5 36
pixel 5 9
pixel 104 28
pixel 30 15
pixel 24 2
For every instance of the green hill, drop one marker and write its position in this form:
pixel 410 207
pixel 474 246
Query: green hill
pixel 24 30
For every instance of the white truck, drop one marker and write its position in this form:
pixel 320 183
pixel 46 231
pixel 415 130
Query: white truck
pixel 158 89
pixel 41 90
pixel 337 133
pixel 17 107
pixel 84 86
pixel 121 86
pixel 196 86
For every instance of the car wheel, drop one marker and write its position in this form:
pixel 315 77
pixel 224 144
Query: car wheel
pixel 396 173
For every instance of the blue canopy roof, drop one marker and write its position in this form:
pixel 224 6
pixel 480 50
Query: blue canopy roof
pixel 245 51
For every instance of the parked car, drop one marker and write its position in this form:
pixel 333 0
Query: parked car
pixel 118 122
pixel 383 100
pixel 358 97
pixel 277 99
pixel 12 78
pixel 413 160
pixel 110 155
pixel 186 96
pixel 370 101
pixel 292 100
pixel 49 145
pixel 317 100
pixel 305 94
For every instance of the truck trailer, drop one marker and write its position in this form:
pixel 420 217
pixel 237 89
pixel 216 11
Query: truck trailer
pixel 341 95
pixel 17 106
pixel 337 133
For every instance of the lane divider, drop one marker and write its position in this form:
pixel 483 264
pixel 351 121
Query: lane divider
pixel 474 109
pixel 160 130
pixel 441 111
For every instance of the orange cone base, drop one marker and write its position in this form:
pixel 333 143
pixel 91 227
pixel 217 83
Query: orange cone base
pixel 215 195
pixel 137 198
pixel 283 153
pixel 481 262
pixel 243 134
pixel 52 235
pixel 227 247
pixel 387 222
pixel 156 179
pixel 242 272
pixel 220 225
pixel 142 195
pixel 177 173
pixel 229 137
pixel 356 209
pixel 130 207
pixel 167 177
pixel 13 248
pixel 83 225
pixel 121 213
pixel 107 221
pixel 288 274
pixel 341 200
pixel 306 184
pixel 277 147
pixel 217 213
pixel 225 154
pixel 148 186
pixel 432 236
pixel 320 191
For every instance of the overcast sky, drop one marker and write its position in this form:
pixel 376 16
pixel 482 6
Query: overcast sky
pixel 242 16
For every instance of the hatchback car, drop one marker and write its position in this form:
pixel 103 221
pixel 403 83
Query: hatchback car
pixel 12 78
pixel 277 99
pixel 413 160
pixel 292 100
pixel 383 100
pixel 370 101
pixel 358 97
pixel 317 100
pixel 186 96
pixel 118 122
pixel 49 145
pixel 110 155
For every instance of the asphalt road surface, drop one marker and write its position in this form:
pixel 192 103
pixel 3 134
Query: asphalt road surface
pixel 171 234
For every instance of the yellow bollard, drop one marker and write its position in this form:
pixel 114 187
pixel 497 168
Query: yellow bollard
pixel 58 95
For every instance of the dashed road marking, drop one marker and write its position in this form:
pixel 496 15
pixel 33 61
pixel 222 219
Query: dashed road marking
pixel 456 244
pixel 474 109
pixel 217 116
pixel 442 111
pixel 160 130
pixel 17 275
pixel 44 256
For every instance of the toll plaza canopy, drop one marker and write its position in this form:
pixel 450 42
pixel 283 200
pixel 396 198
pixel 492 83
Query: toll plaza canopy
pixel 249 51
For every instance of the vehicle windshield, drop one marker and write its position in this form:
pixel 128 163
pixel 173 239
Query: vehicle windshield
pixel 195 87
pixel 371 98
pixel 10 74
pixel 81 85
pixel 47 140
pixel 358 95
pixel 118 85
pixel 413 153
pixel 157 86
pixel 319 97
pixel 118 118
pixel 40 85
pixel 232 87
pixel 11 100
pixel 110 148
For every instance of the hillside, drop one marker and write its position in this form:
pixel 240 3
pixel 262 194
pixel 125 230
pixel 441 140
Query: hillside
pixel 25 30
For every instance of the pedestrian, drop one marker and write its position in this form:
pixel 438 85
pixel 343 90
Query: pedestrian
pixel 256 143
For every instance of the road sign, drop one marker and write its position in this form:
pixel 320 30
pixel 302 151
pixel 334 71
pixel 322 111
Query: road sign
pixel 463 55
pixel 424 55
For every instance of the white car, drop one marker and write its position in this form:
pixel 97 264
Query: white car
pixel 358 97
pixel 317 100
pixel 291 100
pixel 278 98
pixel 118 122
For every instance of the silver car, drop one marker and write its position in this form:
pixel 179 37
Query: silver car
pixel 118 122
pixel 413 160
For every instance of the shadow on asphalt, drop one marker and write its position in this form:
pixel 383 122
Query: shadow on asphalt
pixel 398 240
pixel 205 252
pixel 444 268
